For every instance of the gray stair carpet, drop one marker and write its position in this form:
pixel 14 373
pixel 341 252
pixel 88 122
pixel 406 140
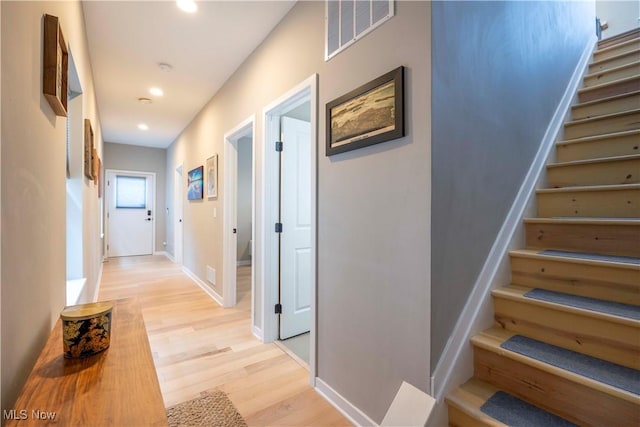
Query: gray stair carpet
pixel 599 370
pixel 594 257
pixel 514 412
pixel 608 307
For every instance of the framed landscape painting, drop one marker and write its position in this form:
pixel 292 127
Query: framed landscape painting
pixel 212 176
pixel 195 184
pixel 370 114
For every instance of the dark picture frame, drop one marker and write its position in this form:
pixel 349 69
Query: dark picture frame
pixel 195 183
pixel 55 66
pixel 370 114
pixel 88 149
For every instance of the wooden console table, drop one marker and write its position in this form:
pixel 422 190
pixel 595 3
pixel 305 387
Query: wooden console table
pixel 117 387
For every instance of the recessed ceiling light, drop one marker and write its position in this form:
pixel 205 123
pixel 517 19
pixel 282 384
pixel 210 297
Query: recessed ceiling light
pixel 188 6
pixel 156 91
pixel 145 100
pixel 165 67
pixel 143 126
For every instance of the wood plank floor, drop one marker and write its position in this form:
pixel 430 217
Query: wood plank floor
pixel 198 346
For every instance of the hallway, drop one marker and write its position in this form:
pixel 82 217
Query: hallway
pixel 197 346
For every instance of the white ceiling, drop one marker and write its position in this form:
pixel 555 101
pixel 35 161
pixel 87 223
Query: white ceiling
pixel 127 41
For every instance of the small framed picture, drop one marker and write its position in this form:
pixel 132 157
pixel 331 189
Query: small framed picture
pixel 55 65
pixel 212 176
pixel 370 114
pixel 195 183
pixel 88 149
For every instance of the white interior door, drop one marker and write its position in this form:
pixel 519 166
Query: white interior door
pixel 130 213
pixel 178 186
pixel 295 239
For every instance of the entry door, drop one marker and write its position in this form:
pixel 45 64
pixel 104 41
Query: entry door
pixel 295 238
pixel 130 214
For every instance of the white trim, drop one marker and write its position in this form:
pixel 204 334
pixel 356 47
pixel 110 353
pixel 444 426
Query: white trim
pixel 169 256
pixel 96 292
pixel 160 253
pixel 257 332
pixel 229 216
pixel 346 408
pixel 211 292
pixel 154 203
pixel 178 199
pixel 450 370
pixel 306 91
pixel 291 354
pixel 243 262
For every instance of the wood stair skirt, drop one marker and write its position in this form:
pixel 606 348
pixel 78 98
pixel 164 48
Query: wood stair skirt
pixel 575 289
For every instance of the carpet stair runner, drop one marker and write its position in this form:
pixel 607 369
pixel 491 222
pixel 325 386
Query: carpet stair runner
pixel 565 347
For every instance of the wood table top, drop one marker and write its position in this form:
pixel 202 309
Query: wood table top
pixel 117 387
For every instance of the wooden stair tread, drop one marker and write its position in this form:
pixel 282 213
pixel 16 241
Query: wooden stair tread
pixel 470 397
pixel 612 70
pixel 607 84
pixel 616 46
pixel 491 340
pixel 607 99
pixel 616 187
pixel 594 161
pixel 598 137
pixel 599 62
pixel 603 117
pixel 618 38
pixel 535 253
pixel 517 293
pixel 583 221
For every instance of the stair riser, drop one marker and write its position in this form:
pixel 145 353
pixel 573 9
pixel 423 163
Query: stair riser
pixel 625 122
pixel 458 418
pixel 607 283
pixel 626 171
pixel 620 38
pixel 608 90
pixel 612 75
pixel 613 51
pixel 615 342
pixel 573 401
pixel 613 146
pixel 618 105
pixel 604 204
pixel 625 59
pixel 606 239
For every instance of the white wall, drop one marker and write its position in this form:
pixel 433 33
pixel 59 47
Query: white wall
pixel 244 199
pixel 33 178
pixel 620 15
pixel 374 203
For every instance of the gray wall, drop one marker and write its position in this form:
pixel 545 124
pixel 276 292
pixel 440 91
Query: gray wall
pixel 620 15
pixel 143 159
pixel 244 199
pixel 499 71
pixel 34 188
pixel 373 218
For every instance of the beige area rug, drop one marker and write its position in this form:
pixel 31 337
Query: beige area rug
pixel 212 409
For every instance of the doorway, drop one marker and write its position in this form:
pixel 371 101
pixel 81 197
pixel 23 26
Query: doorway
pixel 130 213
pixel 239 216
pixel 178 184
pixel 289 285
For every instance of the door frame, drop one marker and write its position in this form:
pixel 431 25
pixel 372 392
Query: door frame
pixel 306 91
pixel 108 202
pixel 230 214
pixel 178 215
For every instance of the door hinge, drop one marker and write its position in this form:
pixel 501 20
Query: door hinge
pixel 278 227
pixel 278 309
pixel 279 145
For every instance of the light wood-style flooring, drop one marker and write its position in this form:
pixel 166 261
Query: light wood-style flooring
pixel 198 346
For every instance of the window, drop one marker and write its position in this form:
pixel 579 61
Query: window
pixel 131 192
pixel 349 20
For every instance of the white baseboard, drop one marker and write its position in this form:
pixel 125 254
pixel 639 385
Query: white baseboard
pixel 243 262
pixel 169 256
pixel 212 293
pixel 160 253
pixel 346 408
pixel 257 332
pixel 452 368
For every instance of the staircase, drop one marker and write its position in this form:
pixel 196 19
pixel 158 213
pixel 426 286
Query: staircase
pixel 565 346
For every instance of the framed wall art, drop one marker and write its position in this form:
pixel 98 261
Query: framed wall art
pixel 88 149
pixel 212 176
pixel 370 114
pixel 55 66
pixel 195 183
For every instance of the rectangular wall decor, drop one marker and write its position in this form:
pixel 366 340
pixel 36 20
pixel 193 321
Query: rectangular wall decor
pixel 212 176
pixel 88 149
pixel 370 114
pixel 55 66
pixel 195 183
